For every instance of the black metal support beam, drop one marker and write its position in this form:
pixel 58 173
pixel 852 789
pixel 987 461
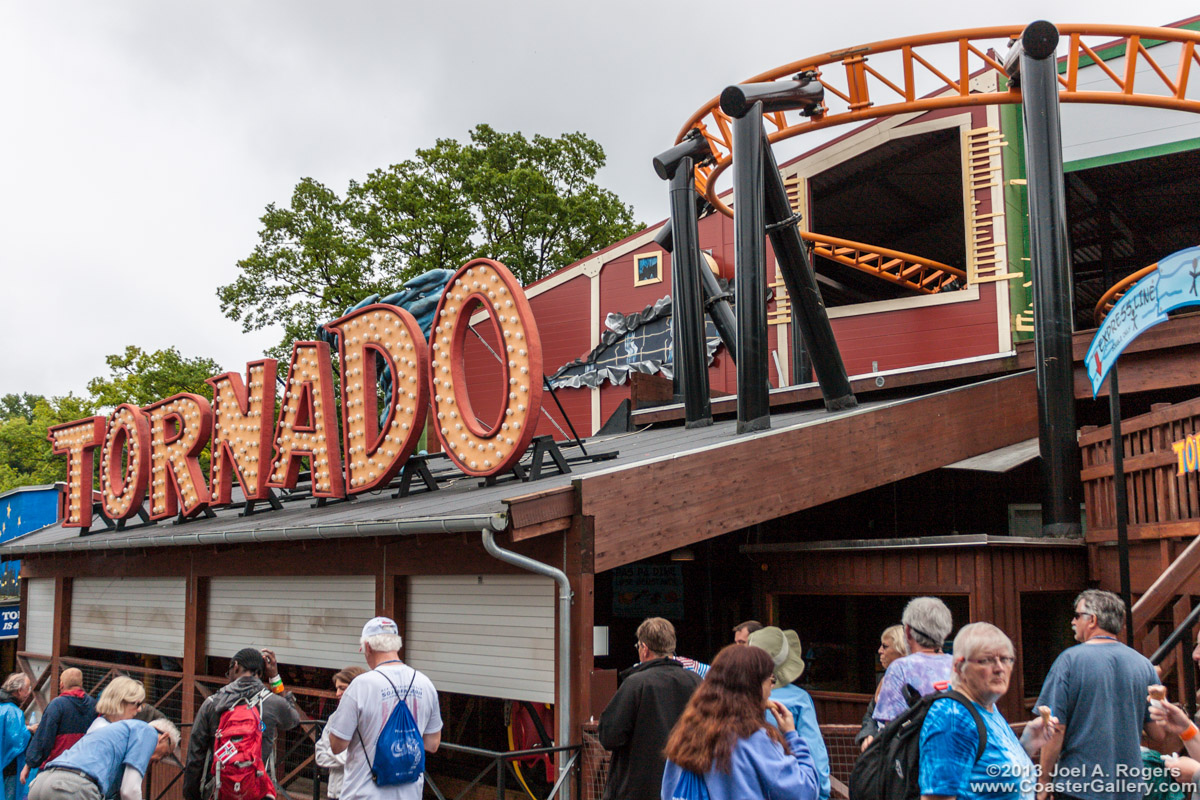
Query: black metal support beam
pixel 796 270
pixel 1031 64
pixel 691 361
pixel 753 400
pixel 1122 499
pixel 801 363
pixel 716 302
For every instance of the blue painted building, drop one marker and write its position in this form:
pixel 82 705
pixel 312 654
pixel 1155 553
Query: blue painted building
pixel 22 510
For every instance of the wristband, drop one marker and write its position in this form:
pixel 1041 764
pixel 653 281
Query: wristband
pixel 1190 733
pixel 277 681
pixel 277 688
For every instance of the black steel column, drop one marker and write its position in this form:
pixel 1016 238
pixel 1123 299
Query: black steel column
pixel 801 363
pixel 691 362
pixel 807 306
pixel 716 301
pixel 1122 499
pixel 717 304
pixel 1038 79
pixel 749 242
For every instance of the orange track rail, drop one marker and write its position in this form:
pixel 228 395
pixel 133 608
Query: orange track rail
pixel 1118 290
pixel 857 89
pixel 922 274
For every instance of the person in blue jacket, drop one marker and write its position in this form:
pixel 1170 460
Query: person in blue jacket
pixel 14 736
pixel 723 742
pixel 784 649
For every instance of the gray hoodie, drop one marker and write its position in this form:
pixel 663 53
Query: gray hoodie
pixel 278 713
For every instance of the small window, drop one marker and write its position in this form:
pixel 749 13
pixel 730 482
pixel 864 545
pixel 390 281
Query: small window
pixel 647 268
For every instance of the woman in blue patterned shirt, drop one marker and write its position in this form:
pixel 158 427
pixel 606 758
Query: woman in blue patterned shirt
pixel 982 667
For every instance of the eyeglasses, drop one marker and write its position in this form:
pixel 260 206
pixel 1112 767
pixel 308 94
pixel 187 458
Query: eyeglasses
pixel 1003 661
pixel 1079 614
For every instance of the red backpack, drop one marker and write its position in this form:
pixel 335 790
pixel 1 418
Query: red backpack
pixel 237 765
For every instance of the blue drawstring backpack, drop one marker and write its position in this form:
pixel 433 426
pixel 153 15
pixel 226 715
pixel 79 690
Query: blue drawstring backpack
pixel 400 749
pixel 690 786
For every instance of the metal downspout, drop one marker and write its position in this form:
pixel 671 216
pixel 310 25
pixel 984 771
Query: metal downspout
pixel 564 632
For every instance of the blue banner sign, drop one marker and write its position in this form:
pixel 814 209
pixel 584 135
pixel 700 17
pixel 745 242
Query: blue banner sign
pixel 10 621
pixel 1175 283
pixel 1136 311
pixel 1179 279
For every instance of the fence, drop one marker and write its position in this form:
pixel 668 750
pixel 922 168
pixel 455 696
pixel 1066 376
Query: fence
pixel 295 765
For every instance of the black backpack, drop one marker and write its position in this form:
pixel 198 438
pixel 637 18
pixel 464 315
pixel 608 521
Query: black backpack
pixel 889 767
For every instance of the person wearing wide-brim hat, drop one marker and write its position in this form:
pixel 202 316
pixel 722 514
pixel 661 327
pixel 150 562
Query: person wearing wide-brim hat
pixel 784 649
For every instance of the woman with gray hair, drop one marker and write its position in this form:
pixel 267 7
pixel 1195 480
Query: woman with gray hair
pixel 927 624
pixel 982 666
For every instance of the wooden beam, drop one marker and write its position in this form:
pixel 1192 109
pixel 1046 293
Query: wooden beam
pixel 748 480
pixel 195 642
pixel 61 636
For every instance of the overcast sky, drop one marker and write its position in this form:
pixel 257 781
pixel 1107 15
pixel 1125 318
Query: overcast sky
pixel 142 140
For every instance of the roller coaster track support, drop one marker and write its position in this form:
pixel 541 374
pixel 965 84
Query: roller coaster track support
pixel 1032 62
pixel 687 316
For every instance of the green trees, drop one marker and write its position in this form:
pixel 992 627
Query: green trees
pixel 530 203
pixel 135 377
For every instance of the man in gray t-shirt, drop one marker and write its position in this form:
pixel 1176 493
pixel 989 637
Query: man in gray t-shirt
pixel 1097 690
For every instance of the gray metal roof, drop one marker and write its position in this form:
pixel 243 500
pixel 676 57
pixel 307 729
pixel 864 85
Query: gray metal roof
pixel 461 504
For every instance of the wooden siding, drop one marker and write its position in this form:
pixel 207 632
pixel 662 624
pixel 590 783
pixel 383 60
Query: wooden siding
pixel 489 635
pixel 314 621
pixel 993 577
pixel 562 316
pixel 717 489
pixel 910 337
pixel 132 615
pixel 563 319
pixel 38 624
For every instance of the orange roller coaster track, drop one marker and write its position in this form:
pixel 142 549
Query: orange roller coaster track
pixel 857 89
pixel 1118 290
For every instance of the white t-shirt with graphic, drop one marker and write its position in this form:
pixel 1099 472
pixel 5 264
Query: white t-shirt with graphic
pixel 364 708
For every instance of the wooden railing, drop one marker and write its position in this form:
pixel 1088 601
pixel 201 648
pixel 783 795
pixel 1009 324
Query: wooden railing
pixel 1163 520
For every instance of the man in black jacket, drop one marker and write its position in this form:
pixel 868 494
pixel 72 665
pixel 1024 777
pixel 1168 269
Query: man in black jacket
pixel 277 707
pixel 638 719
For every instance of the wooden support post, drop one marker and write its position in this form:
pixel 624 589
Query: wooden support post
pixel 394 604
pixel 24 613
pixel 61 637
pixel 578 566
pixel 195 641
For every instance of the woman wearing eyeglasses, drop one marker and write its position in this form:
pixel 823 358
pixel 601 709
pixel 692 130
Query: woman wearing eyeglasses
pixel 982 667
pixel 121 699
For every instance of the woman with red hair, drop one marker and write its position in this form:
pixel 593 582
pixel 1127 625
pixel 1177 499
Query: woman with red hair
pixel 723 740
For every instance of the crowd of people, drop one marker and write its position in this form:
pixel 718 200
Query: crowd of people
pixel 747 730
pixel 101 749
pixel 678 729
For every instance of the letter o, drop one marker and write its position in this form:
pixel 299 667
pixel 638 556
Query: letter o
pixel 1189 455
pixel 123 486
pixel 477 449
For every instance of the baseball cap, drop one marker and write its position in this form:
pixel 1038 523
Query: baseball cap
pixel 380 625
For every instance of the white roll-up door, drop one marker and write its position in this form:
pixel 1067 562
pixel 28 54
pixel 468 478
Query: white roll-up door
pixel 133 615
pixel 39 616
pixel 489 635
pixel 313 621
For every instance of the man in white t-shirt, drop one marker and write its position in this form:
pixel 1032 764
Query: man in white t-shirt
pixel 355 726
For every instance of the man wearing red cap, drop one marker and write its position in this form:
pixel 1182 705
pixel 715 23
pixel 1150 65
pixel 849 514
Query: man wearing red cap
pixel 368 702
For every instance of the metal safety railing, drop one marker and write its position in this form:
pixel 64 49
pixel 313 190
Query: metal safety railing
pixel 501 763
